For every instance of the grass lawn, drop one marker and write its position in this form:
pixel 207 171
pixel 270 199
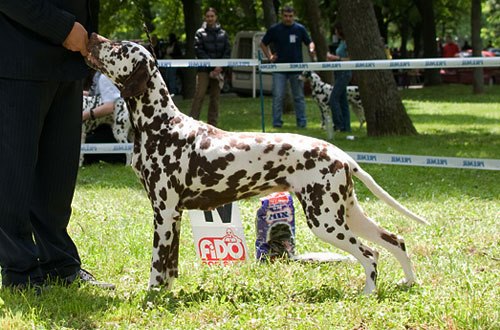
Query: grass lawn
pixel 456 258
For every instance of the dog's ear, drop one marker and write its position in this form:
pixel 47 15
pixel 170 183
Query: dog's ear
pixel 136 82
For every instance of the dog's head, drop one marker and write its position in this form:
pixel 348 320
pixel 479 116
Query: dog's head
pixel 311 75
pixel 306 74
pixel 128 64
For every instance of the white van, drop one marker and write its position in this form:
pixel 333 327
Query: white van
pixel 245 80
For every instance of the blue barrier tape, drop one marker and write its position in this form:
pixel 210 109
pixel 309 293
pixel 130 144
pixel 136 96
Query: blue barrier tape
pixel 429 161
pixel 424 63
pixel 418 63
pixel 195 63
pixel 361 157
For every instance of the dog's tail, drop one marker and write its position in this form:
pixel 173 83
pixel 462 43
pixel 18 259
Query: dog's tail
pixel 378 191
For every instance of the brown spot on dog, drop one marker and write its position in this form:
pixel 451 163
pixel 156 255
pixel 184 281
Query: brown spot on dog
pixel 269 148
pixel 392 239
pixel 284 148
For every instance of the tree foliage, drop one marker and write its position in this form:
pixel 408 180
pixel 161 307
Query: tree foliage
pixel 412 26
pixel 398 20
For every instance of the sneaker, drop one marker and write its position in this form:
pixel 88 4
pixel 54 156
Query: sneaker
pixel 83 276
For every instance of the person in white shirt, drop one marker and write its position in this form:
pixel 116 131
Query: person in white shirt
pixel 109 93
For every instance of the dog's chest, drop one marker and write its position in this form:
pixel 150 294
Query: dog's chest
pixel 321 92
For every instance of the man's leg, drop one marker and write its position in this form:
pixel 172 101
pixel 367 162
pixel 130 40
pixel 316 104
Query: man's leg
pixel 342 79
pixel 344 110
pixel 297 86
pixel 202 81
pixel 279 84
pixel 339 89
pixel 54 182
pixel 21 117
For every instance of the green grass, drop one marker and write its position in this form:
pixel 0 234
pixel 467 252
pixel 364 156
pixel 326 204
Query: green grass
pixel 456 258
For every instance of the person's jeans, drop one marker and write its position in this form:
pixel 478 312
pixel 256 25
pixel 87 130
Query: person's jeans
pixel 172 80
pixel 339 103
pixel 279 90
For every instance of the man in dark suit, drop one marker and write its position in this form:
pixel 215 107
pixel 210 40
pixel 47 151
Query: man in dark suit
pixel 43 44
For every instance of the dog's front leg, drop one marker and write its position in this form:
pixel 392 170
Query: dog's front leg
pixel 165 259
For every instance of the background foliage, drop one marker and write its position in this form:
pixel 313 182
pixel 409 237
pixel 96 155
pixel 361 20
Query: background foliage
pixel 123 19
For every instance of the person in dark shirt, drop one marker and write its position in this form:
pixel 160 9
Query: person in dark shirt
pixel 41 73
pixel 287 38
pixel 210 42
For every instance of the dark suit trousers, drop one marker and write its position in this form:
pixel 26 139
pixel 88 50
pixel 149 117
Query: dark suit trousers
pixel 40 127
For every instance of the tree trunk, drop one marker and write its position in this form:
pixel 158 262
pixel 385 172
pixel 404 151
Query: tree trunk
pixel 248 7
pixel 477 45
pixel 192 22
pixel 269 13
pixel 417 39
pixel 426 10
pixel 313 19
pixel 384 109
pixel 382 23
pixel 404 31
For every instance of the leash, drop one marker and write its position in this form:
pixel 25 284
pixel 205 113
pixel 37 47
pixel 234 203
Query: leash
pixel 150 46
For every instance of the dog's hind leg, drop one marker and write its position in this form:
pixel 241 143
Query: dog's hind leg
pixel 165 257
pixel 359 111
pixel 329 225
pixel 368 229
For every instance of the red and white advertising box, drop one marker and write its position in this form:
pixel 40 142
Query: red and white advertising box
pixel 218 235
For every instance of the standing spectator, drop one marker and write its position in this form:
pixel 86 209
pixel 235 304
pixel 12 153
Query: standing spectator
pixel 40 124
pixel 210 42
pixel 287 38
pixel 450 48
pixel 156 46
pixel 338 99
pixel 173 52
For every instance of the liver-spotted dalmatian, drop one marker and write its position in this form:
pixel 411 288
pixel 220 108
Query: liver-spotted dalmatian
pixel 186 164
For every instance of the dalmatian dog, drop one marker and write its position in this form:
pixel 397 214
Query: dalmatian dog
pixel 186 164
pixel 321 94
pixel 119 122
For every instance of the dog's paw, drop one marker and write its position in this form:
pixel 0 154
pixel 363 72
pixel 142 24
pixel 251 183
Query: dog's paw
pixel 407 282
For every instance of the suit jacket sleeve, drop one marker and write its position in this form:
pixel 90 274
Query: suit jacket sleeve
pixel 41 17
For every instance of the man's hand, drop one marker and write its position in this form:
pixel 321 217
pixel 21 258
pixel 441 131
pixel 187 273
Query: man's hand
pixel 77 40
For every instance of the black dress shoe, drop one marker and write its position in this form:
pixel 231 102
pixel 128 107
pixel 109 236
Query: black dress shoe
pixel 83 276
pixel 38 287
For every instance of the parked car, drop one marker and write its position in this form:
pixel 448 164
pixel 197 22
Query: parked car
pixel 465 75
